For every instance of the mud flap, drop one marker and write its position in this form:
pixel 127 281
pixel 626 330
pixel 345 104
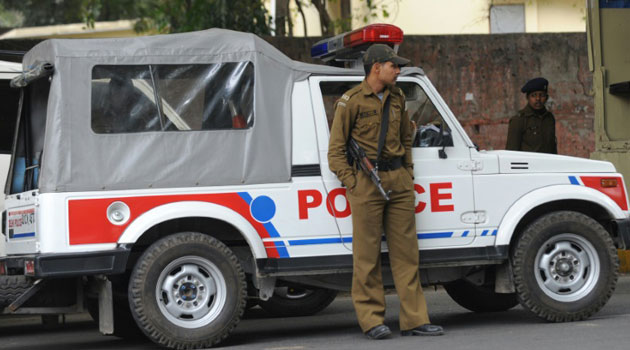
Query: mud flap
pixel 105 307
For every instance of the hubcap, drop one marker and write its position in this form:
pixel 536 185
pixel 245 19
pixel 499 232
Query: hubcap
pixel 567 267
pixel 191 292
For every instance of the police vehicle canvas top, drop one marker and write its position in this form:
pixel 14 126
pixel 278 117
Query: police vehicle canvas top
pixel 101 158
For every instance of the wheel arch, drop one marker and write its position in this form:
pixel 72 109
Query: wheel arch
pixel 220 222
pixel 562 197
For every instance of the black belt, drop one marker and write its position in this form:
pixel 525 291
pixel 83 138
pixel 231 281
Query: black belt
pixel 388 164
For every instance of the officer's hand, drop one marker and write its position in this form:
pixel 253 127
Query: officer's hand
pixel 351 183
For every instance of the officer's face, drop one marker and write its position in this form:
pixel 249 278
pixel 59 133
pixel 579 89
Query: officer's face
pixel 388 73
pixel 537 99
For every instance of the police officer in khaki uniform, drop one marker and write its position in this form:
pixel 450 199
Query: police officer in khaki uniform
pixel 358 115
pixel 533 129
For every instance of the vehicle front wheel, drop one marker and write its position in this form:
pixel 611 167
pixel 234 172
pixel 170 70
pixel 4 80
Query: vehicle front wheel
pixel 565 267
pixel 187 291
pixel 293 300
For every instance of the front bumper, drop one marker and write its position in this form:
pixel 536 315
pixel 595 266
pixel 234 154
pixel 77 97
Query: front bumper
pixel 108 262
pixel 623 233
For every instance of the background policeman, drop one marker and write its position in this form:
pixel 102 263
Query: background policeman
pixel 533 129
pixel 358 115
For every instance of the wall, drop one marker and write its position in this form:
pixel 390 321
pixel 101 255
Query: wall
pixel 480 77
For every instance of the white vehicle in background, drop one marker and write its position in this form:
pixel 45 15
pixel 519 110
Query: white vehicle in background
pixel 164 182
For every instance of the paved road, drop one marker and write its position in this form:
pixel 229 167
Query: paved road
pixel 335 328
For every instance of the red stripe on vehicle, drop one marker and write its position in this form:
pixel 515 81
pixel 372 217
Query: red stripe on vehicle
pixel 88 223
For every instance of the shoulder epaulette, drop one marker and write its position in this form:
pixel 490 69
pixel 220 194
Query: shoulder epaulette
pixel 348 94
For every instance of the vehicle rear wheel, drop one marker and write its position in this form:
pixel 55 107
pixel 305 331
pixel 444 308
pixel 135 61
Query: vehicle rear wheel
pixel 293 300
pixel 479 298
pixel 187 291
pixel 565 267
pixel 11 287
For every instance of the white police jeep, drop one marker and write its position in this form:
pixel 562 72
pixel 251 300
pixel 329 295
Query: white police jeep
pixel 171 181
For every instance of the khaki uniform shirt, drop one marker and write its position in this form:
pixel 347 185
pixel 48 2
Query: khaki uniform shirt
pixel 532 132
pixel 358 115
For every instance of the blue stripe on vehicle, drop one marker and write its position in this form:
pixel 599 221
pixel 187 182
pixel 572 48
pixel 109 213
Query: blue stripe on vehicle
pixel 246 197
pixel 494 233
pixel 282 251
pixel 337 240
pixel 435 235
pixel 485 232
pixel 22 235
pixel 271 229
pixel 573 180
pixel 320 241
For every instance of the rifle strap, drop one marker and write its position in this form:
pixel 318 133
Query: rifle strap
pixel 384 124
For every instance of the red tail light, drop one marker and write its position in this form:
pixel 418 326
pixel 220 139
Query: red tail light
pixel 29 267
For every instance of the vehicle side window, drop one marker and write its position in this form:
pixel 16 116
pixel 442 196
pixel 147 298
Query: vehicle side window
pixel 190 97
pixel 426 119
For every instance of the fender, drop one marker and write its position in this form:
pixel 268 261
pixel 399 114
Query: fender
pixel 550 194
pixel 184 209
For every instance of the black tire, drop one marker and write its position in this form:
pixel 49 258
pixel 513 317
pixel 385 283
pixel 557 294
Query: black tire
pixel 565 267
pixel 187 291
pixel 291 300
pixel 11 287
pixel 479 298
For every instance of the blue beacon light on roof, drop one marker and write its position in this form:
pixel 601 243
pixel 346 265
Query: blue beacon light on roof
pixel 352 43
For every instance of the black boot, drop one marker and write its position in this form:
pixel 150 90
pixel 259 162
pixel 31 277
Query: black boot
pixel 425 329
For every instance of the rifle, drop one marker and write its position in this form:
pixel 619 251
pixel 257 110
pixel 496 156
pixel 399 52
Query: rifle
pixel 357 154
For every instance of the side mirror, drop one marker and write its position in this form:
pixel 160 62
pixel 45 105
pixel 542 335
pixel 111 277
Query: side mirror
pixel 445 139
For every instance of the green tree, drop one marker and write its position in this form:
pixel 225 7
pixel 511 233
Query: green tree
pixel 173 16
pixel 41 13
pixel 367 10
pixel 164 16
pixel 10 18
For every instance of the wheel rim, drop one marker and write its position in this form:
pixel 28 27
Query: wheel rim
pixel 191 292
pixel 567 267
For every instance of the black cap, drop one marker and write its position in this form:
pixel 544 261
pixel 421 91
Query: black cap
pixel 383 53
pixel 536 84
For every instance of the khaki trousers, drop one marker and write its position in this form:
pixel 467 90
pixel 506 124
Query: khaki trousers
pixel 371 216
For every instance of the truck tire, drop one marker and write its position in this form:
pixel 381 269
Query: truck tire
pixel 565 267
pixel 11 287
pixel 479 298
pixel 289 301
pixel 187 291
